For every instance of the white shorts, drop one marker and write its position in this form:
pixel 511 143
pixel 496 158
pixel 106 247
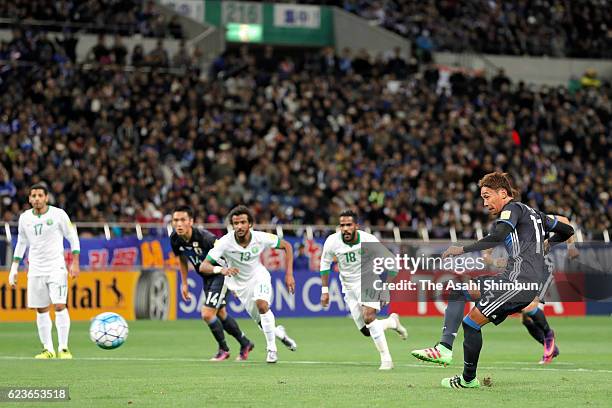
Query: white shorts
pixel 352 297
pixel 46 290
pixel 257 288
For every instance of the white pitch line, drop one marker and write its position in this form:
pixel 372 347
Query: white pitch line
pixel 346 363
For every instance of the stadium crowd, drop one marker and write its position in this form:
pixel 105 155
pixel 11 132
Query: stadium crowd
pixel 125 17
pixel 556 28
pixel 300 139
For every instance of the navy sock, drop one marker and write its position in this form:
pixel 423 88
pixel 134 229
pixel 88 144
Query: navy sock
pixel 534 330
pixel 216 328
pixel 452 317
pixel 539 318
pixel 472 343
pixel 231 326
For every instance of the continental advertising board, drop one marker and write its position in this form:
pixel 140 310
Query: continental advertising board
pixel 126 292
pixel 154 253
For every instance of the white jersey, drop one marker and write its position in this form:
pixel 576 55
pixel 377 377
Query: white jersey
pixel 44 234
pixel 247 260
pixel 347 256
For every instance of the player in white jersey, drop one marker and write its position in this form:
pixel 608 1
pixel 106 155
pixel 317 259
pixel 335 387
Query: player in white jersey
pixel 247 277
pixel 345 247
pixel 43 229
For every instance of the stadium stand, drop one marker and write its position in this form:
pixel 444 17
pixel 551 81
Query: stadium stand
pixel 125 17
pixel 556 28
pixel 299 138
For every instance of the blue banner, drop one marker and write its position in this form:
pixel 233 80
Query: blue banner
pixel 130 252
pixel 305 301
pixel 156 252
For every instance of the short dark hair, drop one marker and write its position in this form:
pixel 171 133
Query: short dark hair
pixel 184 208
pixel 497 181
pixel 39 187
pixel 240 210
pixel 350 213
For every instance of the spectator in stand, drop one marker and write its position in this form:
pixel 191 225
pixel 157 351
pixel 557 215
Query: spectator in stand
pixel 158 57
pixel 100 53
pixel 125 17
pixel 500 82
pixel 589 79
pixel 181 59
pixel 116 145
pixel 119 51
pixel 175 28
pixel 138 57
pixel 547 27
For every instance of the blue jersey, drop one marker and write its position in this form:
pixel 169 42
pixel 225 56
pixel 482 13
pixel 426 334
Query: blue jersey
pixel 195 249
pixel 525 244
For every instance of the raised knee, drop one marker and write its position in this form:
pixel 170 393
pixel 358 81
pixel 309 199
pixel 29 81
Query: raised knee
pixel 262 307
pixel 468 324
pixel 369 317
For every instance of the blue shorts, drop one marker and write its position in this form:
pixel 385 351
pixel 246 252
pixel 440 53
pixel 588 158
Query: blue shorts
pixel 497 304
pixel 214 295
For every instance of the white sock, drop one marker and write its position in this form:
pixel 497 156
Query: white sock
pixel 44 323
pixel 268 325
pixel 280 334
pixel 388 323
pixel 377 332
pixel 62 324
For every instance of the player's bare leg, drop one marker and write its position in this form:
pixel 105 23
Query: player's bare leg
pixel 62 324
pixel 45 326
pixel 377 332
pixel 209 315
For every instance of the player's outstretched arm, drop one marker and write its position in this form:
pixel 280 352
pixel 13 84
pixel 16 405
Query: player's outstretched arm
pixel 497 236
pixel 289 279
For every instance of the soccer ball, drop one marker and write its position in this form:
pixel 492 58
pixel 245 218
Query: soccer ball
pixel 108 330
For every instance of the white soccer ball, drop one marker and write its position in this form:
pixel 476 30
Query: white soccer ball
pixel 108 330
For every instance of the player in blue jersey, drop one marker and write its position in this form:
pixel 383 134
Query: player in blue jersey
pixel 521 229
pixel 191 245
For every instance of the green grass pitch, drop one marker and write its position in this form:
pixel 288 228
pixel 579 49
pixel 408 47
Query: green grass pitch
pixel 164 364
